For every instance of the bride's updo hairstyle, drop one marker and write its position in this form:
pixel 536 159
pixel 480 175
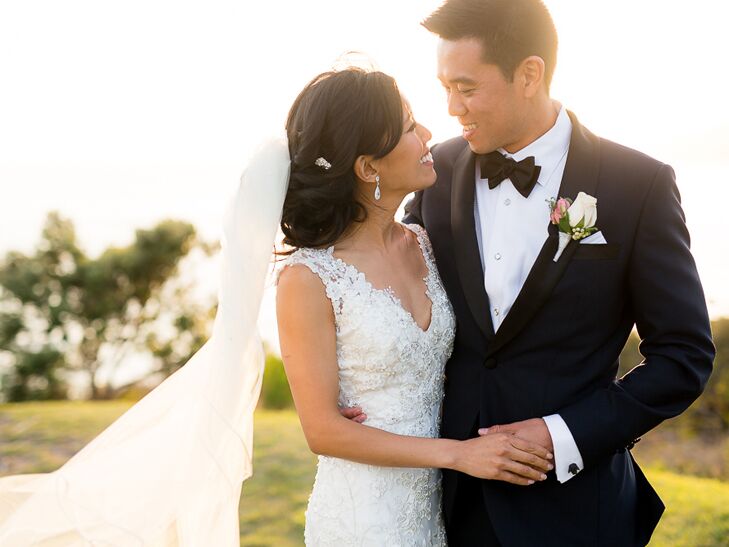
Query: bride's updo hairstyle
pixel 339 116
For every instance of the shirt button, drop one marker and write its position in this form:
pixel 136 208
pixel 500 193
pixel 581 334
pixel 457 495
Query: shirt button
pixel 497 256
pixel 507 201
pixel 496 311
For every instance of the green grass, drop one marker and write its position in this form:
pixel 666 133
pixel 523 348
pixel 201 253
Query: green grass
pixel 37 437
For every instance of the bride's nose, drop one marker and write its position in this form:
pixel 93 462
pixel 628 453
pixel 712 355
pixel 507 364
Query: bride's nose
pixel 424 133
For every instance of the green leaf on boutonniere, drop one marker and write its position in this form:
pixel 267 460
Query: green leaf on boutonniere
pixel 564 224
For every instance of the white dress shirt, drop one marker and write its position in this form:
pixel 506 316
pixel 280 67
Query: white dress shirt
pixel 511 232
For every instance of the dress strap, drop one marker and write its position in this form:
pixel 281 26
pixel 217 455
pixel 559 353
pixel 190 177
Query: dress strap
pixel 425 247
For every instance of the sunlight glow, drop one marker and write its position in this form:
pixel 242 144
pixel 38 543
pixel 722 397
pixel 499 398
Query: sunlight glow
pixel 122 114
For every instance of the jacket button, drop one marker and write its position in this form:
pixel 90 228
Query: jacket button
pixel 490 363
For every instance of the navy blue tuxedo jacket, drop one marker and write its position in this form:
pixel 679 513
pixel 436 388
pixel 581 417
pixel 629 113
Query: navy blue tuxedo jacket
pixel 557 350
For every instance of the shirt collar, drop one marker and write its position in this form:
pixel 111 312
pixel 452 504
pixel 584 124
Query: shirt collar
pixel 549 149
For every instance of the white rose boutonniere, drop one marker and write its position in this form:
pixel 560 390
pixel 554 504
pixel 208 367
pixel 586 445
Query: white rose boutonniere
pixel 575 220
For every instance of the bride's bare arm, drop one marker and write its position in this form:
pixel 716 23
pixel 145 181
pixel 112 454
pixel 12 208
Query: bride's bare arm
pixel 308 348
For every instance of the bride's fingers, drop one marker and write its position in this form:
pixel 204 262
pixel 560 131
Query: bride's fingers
pixel 531 460
pixel 531 448
pixel 523 471
pixel 508 476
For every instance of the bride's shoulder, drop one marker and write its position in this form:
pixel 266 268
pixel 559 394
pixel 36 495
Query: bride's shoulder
pixel 300 287
pixel 301 265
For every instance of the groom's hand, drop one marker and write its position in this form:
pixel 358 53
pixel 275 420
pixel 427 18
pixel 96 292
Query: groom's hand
pixel 534 430
pixel 354 413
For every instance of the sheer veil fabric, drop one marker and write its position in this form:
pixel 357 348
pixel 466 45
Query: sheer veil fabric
pixel 168 473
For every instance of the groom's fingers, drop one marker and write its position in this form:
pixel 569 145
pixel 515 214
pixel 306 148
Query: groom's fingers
pixel 493 429
pixel 353 413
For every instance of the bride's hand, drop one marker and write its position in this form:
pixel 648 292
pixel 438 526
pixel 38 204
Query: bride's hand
pixel 504 457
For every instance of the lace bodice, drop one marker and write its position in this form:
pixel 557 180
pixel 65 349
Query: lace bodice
pixel 394 370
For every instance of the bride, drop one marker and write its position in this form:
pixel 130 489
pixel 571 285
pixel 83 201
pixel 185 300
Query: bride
pixel 364 320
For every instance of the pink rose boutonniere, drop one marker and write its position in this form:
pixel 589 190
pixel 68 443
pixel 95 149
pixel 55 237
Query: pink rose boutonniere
pixel 575 220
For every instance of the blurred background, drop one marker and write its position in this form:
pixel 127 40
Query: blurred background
pixel 125 126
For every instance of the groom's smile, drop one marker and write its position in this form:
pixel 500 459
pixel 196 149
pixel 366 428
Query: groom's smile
pixel 490 107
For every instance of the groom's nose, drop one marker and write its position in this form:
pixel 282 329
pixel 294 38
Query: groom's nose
pixel 455 105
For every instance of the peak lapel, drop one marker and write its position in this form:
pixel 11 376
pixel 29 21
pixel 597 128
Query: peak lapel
pixel 580 175
pixel 463 226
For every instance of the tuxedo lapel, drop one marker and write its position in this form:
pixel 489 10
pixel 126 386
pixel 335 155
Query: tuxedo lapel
pixel 580 175
pixel 463 226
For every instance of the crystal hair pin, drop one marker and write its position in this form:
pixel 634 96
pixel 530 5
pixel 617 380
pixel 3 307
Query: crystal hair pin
pixel 324 164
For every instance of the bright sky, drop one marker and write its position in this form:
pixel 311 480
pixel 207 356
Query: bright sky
pixel 120 114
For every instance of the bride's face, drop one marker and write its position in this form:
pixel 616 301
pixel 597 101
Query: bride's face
pixel 409 167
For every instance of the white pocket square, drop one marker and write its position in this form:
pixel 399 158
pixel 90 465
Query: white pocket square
pixel 595 239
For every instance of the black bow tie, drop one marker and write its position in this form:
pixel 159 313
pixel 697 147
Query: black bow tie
pixel 523 174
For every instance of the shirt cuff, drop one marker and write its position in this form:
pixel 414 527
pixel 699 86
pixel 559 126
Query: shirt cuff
pixel 567 457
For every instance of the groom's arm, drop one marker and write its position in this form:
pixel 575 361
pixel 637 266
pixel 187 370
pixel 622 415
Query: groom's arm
pixel 670 313
pixel 673 323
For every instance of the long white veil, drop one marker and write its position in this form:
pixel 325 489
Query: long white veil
pixel 168 473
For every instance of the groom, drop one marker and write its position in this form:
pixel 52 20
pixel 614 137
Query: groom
pixel 538 339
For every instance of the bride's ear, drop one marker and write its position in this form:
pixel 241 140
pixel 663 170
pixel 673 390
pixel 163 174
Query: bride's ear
pixel 365 168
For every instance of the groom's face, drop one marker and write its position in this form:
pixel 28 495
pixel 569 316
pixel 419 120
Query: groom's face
pixel 486 104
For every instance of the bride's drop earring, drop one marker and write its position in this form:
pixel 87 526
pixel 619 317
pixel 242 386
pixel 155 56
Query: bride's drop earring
pixel 377 188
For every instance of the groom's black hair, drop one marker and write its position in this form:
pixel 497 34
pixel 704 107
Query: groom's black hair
pixel 509 31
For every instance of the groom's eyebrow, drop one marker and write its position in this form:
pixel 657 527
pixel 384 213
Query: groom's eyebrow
pixel 460 80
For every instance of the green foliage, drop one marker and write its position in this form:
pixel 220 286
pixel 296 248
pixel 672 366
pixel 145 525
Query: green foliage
pixel 38 437
pixel 34 376
pixel 275 392
pixel 712 409
pixel 60 309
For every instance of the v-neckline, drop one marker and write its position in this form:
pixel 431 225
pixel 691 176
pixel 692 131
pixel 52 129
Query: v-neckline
pixel 389 291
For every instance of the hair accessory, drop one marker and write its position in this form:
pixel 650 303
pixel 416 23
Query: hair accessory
pixel 324 164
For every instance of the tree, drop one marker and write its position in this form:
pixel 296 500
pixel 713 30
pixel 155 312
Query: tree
pixel 711 412
pixel 275 391
pixel 62 311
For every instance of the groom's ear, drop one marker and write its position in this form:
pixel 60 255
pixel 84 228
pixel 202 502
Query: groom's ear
pixel 364 168
pixel 530 76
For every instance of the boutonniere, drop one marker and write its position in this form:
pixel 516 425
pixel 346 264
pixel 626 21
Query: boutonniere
pixel 575 220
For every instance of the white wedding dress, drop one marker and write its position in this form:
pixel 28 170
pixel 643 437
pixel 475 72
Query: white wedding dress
pixel 394 370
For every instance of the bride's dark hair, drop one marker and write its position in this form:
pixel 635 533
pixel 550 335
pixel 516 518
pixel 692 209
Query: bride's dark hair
pixel 338 116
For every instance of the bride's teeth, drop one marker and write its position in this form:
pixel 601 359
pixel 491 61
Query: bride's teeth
pixel 428 157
